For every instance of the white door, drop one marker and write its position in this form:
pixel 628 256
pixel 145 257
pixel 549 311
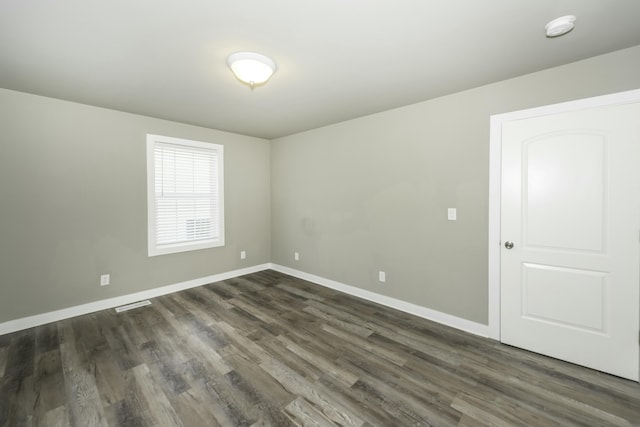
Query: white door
pixel 571 209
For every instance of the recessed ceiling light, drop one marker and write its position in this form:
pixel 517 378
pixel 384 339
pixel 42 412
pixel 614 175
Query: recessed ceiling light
pixel 560 26
pixel 251 68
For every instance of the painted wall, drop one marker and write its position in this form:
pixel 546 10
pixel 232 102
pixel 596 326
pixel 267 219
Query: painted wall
pixel 372 194
pixel 353 198
pixel 73 205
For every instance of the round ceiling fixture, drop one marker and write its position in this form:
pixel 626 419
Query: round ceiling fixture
pixel 560 26
pixel 251 68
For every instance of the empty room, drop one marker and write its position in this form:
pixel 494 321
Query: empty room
pixel 289 213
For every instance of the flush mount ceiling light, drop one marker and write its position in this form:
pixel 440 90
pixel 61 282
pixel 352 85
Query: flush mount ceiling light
pixel 251 68
pixel 560 26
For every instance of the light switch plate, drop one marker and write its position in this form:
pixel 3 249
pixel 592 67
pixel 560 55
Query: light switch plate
pixel 452 214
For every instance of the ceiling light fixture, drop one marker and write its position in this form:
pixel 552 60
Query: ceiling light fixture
pixel 560 26
pixel 251 68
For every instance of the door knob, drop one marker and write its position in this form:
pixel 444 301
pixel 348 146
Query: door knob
pixel 508 245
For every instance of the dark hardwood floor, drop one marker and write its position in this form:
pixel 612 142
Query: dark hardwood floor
pixel 268 349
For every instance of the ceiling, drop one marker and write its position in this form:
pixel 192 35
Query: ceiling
pixel 337 59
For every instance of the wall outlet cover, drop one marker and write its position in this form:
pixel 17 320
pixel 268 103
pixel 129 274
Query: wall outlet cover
pixel 105 279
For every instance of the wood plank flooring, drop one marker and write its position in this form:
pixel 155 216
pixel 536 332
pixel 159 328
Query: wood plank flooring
pixel 267 349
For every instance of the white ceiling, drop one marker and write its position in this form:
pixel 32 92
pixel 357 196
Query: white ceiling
pixel 337 59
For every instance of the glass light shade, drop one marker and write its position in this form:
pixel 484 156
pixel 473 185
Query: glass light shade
pixel 251 68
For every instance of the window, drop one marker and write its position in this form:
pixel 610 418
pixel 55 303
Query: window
pixel 185 195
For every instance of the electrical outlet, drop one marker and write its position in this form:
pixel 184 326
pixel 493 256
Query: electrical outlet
pixel 243 254
pixel 296 256
pixel 105 280
pixel 382 276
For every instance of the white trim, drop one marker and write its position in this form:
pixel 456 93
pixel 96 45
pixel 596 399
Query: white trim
pixel 79 310
pixel 407 307
pixel 495 177
pixel 495 166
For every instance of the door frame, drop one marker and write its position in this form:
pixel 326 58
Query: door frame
pixel 495 180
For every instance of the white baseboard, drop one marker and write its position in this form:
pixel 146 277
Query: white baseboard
pixel 78 310
pixel 407 307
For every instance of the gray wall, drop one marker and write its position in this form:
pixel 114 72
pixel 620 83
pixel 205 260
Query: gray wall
pixel 73 205
pixel 354 198
pixel 372 194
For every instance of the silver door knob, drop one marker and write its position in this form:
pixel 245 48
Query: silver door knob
pixel 508 245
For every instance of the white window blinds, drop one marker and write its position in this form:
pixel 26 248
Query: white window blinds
pixel 187 202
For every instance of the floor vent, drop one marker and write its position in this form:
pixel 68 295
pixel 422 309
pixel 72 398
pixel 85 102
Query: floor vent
pixel 132 306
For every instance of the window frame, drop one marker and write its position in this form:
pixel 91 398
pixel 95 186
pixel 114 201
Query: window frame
pixel 155 249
